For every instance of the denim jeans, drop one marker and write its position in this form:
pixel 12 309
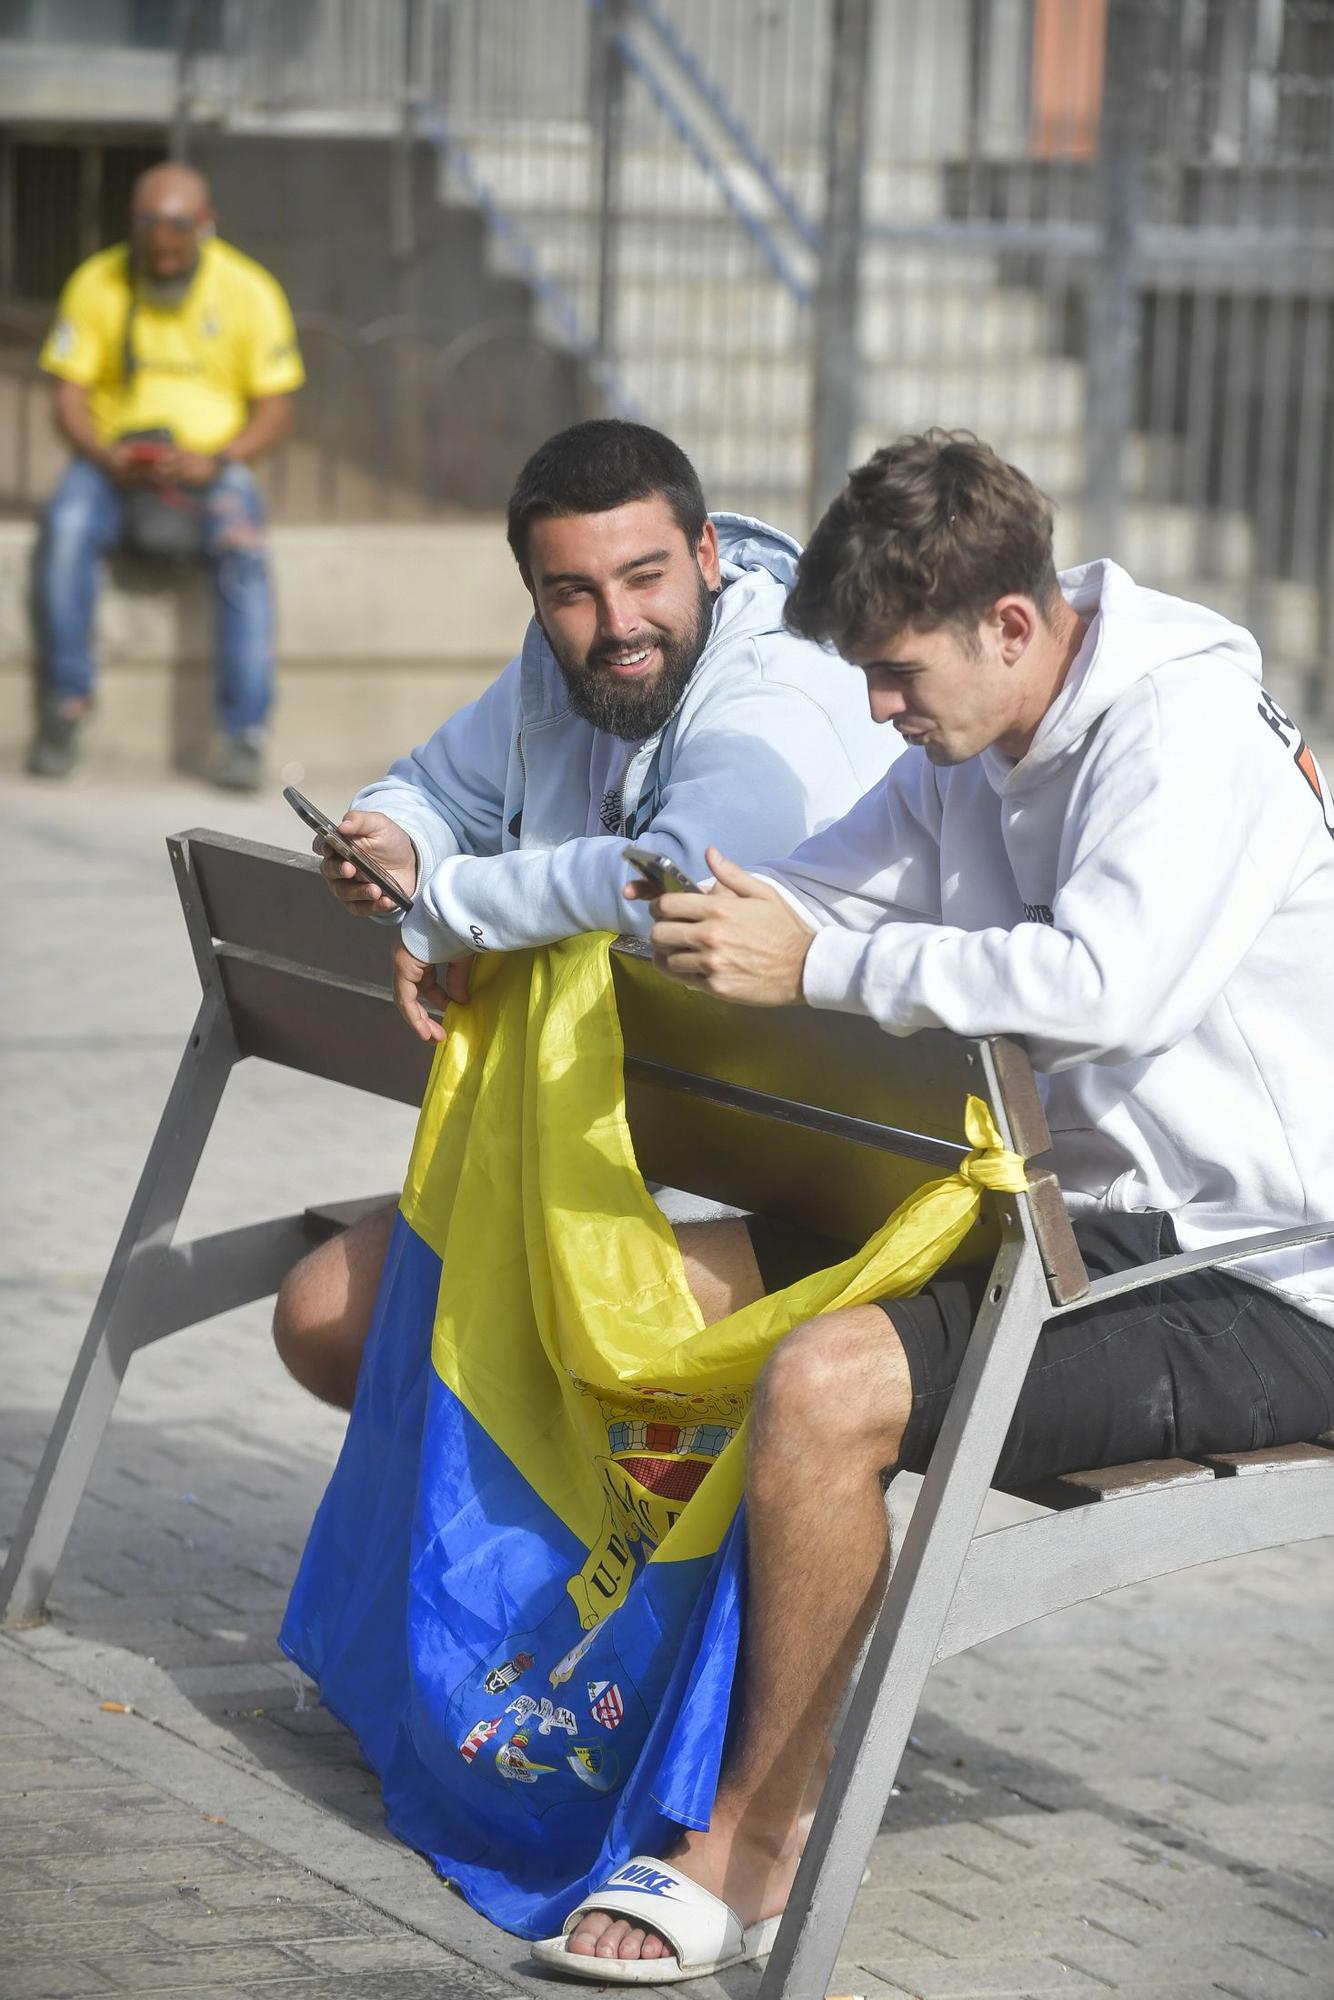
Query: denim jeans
pixel 84 521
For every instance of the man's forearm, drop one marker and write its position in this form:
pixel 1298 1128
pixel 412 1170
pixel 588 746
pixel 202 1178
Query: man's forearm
pixel 75 423
pixel 266 427
pixel 526 897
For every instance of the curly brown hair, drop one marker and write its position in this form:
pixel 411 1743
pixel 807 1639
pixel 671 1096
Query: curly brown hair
pixel 929 532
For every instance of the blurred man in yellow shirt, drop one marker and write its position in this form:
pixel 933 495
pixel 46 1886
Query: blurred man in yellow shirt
pixel 175 360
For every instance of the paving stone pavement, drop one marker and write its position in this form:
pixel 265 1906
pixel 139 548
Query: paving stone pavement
pixel 1133 1797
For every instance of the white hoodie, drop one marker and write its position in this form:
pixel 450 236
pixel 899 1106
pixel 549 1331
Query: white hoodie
pixel 1146 900
pixel 772 738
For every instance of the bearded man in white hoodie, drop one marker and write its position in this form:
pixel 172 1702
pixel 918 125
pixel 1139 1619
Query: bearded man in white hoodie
pixel 657 698
pixel 1108 841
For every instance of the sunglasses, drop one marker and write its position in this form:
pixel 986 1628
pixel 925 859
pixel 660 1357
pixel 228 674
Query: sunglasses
pixel 184 225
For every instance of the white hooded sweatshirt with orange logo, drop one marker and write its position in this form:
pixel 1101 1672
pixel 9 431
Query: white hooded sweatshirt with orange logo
pixel 1146 900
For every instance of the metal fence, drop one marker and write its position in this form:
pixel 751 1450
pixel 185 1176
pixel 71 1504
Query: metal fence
pixel 1097 232
pixel 314 56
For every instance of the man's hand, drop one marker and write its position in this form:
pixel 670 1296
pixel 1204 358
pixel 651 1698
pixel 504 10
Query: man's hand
pixel 739 942
pixel 418 986
pixel 122 463
pixel 185 468
pixel 386 843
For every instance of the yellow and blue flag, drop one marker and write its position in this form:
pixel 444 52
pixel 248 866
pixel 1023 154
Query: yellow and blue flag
pixel 523 1590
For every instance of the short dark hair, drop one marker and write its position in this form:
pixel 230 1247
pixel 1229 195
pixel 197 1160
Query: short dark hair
pixel 595 466
pixel 929 532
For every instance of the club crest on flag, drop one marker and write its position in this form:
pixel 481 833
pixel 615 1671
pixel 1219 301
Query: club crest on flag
pixel 608 1707
pixel 593 1765
pixel 513 1762
pixel 548 1716
pixel 500 1678
pixel 480 1733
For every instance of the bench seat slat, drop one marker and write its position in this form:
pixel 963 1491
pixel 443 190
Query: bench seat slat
pixel 1116 1482
pixel 1015 1574
pixel 1277 1458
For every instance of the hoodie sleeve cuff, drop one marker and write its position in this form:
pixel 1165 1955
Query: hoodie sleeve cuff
pixel 831 976
pixel 432 942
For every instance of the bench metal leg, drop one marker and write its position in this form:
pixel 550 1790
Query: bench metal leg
pixel 114 1331
pixel 903 1643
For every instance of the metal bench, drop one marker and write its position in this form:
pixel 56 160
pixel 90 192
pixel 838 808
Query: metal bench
pixel 861 1120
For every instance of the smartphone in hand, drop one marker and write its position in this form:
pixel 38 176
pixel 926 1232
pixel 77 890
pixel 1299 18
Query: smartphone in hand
pixel 656 868
pixel 346 850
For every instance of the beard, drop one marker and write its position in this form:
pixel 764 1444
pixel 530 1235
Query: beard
pixel 166 294
pixel 633 711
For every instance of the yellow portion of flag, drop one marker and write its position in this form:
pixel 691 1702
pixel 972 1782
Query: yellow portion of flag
pixel 564 1317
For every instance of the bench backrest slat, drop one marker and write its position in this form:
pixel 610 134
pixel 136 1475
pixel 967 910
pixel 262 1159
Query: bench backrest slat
pixel 330 1030
pixel 840 1064
pixel 720 1101
pixel 262 899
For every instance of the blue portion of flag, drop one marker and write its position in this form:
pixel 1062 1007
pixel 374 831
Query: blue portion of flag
pixel 433 1565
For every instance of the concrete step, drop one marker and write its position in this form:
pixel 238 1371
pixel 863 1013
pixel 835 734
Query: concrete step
pixel 1284 614
pixel 352 716
pixel 443 594
pixel 684 392
pixel 1057 461
pixel 739 320
pixel 384 630
pixel 356 716
pixel 300 483
pixel 566 242
pixel 1160 544
pixel 532 168
pixel 768 473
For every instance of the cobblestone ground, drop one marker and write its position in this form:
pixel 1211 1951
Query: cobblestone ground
pixel 1133 1797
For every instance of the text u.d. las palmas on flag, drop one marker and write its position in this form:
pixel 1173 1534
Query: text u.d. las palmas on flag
pixel 523 1588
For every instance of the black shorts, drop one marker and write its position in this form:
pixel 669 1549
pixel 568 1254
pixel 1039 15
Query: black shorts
pixel 1204 1363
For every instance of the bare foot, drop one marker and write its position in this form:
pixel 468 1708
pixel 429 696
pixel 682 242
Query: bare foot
pixel 753 1876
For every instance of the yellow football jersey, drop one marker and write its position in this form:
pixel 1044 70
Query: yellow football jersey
pixel 197 367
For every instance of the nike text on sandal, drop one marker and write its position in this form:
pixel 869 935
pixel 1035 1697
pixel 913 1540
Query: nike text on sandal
pixel 703 1932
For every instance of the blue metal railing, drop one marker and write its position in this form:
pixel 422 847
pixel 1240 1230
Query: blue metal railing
pixel 754 226
pixel 734 126
pixel 432 124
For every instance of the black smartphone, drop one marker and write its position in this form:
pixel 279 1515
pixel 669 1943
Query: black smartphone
pixel 346 850
pixel 656 868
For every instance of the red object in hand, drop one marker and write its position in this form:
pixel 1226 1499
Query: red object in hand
pixel 145 452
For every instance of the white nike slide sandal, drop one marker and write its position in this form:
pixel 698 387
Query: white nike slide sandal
pixel 705 1935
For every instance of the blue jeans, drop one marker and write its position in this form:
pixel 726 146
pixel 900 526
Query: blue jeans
pixel 84 521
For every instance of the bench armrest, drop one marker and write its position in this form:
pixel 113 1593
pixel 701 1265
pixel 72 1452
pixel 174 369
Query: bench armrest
pixel 1196 1260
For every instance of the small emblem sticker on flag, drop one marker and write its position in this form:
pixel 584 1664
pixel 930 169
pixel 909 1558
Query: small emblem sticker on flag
pixel 608 1708
pixel 480 1733
pixel 514 1763
pixel 593 1765
pixel 500 1678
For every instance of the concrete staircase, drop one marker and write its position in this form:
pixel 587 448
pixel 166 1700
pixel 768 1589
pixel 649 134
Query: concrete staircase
pixel 384 629
pixel 712 345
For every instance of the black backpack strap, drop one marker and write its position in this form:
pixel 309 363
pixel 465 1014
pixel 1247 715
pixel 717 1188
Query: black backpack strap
pixel 129 364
